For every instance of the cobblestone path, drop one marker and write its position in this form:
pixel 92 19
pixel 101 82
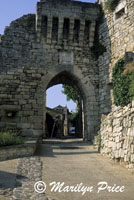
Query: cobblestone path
pixel 19 185
pixel 29 171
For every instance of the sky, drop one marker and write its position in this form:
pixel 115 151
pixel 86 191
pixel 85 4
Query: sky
pixel 13 9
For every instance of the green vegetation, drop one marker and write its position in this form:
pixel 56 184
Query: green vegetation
pixel 129 69
pixel 9 138
pixel 70 92
pixel 131 88
pixel 98 138
pixel 123 84
pixel 110 5
pixel 74 118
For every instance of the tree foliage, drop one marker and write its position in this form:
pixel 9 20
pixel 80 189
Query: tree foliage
pixel 74 118
pixel 111 5
pixel 70 92
pixel 123 84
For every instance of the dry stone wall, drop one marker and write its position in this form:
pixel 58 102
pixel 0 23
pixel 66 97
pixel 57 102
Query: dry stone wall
pixel 116 33
pixel 117 135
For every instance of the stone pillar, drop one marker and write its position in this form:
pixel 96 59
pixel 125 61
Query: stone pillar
pixel 44 117
pixel 60 31
pixel 82 25
pixel 38 21
pixel 83 119
pixel 38 27
pixel 66 123
pixel 92 33
pixel 49 30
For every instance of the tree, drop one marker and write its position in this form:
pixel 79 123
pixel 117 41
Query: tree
pixel 71 93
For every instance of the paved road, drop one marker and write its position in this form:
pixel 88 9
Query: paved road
pixel 7 178
pixel 70 161
pixel 75 162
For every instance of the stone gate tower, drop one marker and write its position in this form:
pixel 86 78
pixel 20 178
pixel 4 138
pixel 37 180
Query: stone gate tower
pixel 42 50
pixel 67 23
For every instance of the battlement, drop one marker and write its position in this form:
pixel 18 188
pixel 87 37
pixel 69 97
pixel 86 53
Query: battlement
pixel 69 22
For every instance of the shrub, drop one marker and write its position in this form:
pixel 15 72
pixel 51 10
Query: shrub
pixel 123 84
pixel 129 70
pixel 131 88
pixel 8 138
pixel 110 5
pixel 14 131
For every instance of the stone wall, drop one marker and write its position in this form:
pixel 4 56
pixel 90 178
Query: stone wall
pixel 55 46
pixel 17 151
pixel 117 135
pixel 42 50
pixel 116 33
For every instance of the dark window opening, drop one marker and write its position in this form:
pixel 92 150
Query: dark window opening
pixel 55 29
pixel 76 30
pixel 120 13
pixel 87 31
pixel 44 22
pixel 66 28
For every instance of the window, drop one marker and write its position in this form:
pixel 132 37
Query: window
pixel 66 28
pixel 76 30
pixel 120 13
pixel 55 29
pixel 44 22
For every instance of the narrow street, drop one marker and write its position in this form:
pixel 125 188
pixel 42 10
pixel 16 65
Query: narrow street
pixel 74 162
pixel 71 162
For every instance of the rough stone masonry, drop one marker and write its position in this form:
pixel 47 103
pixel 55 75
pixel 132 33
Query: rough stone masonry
pixel 116 33
pixel 39 51
pixel 55 46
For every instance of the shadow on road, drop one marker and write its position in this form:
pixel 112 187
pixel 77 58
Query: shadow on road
pixel 9 180
pixel 55 147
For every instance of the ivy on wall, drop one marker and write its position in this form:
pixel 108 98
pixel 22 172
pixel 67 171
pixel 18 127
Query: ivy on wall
pixel 123 84
pixel 110 5
pixel 129 70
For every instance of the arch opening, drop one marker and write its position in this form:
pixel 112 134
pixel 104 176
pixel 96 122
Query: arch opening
pixel 61 123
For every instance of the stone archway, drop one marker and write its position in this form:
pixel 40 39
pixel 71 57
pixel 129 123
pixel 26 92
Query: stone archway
pixel 65 75
pixel 35 51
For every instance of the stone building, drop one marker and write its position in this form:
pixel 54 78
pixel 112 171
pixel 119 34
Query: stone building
pixel 63 114
pixel 56 46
